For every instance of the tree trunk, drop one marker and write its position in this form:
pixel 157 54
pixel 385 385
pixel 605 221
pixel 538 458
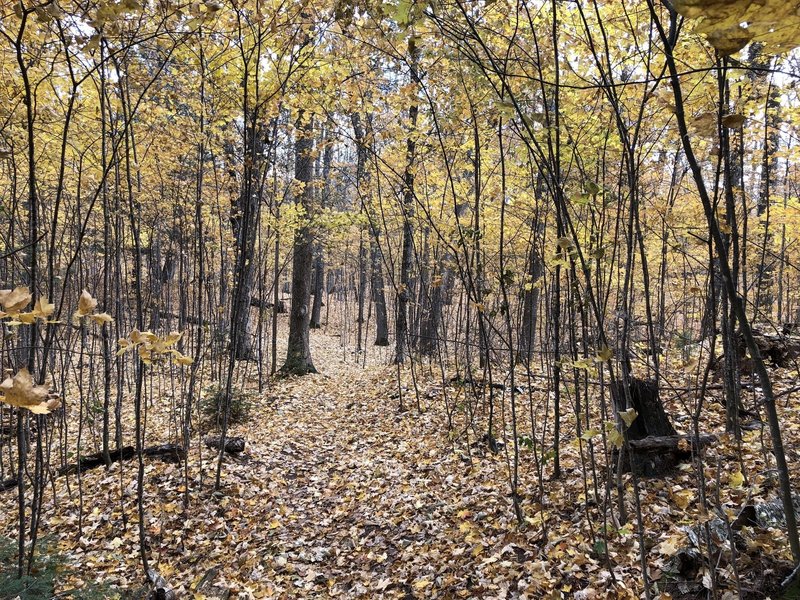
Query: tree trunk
pixel 244 222
pixel 431 320
pixel 378 293
pixel 319 277
pixel 530 306
pixel 363 139
pixel 298 355
pixel 404 291
pixel 319 259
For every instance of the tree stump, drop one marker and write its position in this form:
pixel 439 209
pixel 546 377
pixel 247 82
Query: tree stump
pixel 655 446
pixel 655 456
pixel 652 419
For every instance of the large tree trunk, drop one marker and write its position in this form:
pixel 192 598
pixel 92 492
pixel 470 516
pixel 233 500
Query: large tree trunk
pixel 319 259
pixel 298 355
pixel 431 318
pixel 404 291
pixel 244 222
pixel 378 293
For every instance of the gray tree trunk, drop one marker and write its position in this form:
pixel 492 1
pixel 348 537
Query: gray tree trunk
pixel 298 355
pixel 376 256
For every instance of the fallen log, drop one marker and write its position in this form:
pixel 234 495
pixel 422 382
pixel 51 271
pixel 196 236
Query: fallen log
pixel 672 443
pixel 655 456
pixel 166 452
pixel 95 460
pixel 233 445
pixel 161 590
pixel 258 303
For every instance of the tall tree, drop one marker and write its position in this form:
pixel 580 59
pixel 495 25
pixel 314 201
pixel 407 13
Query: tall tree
pixel 298 354
pixel 404 291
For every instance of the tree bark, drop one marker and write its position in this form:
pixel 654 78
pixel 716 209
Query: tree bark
pixel 404 291
pixel 298 355
pixel 244 222
pixel 363 139
pixel 319 258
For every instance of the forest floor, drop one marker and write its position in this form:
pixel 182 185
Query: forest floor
pixel 341 494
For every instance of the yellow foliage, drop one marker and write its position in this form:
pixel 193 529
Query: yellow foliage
pixel 21 391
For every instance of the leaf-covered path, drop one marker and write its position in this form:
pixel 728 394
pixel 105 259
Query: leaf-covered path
pixel 337 494
pixel 356 498
pixel 341 494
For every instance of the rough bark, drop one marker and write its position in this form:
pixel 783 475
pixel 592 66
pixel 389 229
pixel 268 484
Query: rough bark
pixel 530 307
pixel 431 318
pixel 244 222
pixel 363 139
pixel 233 445
pixel 298 355
pixel 404 291
pixel 319 256
pixel 652 419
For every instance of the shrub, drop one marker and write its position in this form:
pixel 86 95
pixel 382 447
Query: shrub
pixel 212 405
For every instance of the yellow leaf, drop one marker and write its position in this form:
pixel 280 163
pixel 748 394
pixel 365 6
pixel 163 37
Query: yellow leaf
pixel 48 407
pixel 629 416
pixel 615 437
pixel 184 360
pixel 683 498
pixel 604 354
pixel 736 479
pixel 86 304
pixel 590 434
pixel 15 300
pixel 140 337
pixel 671 545
pixel 102 318
pixel 145 354
pixel 421 584
pixel 28 318
pixel 21 391
pixel 43 308
pixel 172 338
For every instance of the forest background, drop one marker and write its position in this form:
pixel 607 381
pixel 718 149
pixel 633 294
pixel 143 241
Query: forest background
pixel 562 235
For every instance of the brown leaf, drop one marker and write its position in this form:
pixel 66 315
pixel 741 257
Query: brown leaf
pixel 15 300
pixel 86 304
pixel 21 391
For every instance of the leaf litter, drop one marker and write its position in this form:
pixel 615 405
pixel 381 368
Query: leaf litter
pixel 339 494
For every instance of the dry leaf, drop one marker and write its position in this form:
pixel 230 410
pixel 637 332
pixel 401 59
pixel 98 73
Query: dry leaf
pixel 21 391
pixel 43 309
pixel 86 304
pixel 102 318
pixel 13 301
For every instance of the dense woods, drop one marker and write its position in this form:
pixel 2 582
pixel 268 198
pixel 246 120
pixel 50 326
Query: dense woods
pixel 400 298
